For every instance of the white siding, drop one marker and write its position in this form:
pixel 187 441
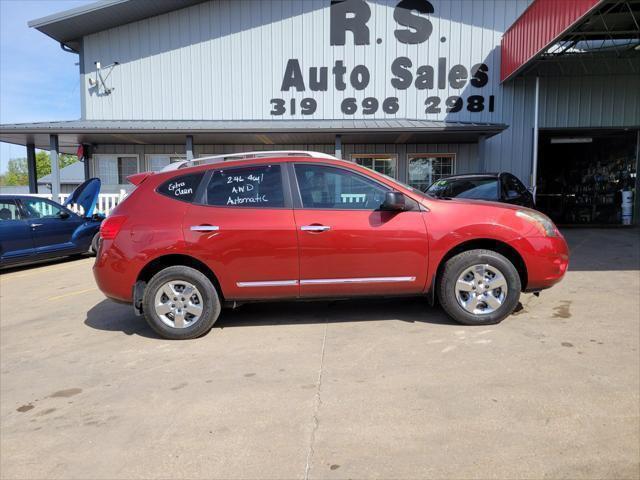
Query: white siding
pixel 226 59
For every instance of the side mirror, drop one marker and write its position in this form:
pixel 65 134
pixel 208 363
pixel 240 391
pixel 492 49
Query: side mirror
pixel 64 215
pixel 393 201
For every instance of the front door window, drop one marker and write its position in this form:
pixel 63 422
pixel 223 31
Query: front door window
pixel 424 169
pixel 335 188
pixel 40 208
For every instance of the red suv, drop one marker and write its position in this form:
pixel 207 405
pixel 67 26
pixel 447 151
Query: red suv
pixel 301 225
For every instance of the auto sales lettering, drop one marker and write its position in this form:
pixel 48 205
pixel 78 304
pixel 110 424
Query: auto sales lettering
pixel 414 27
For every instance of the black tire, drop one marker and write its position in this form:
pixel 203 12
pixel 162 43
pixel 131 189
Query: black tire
pixel 455 267
pixel 210 303
pixel 93 249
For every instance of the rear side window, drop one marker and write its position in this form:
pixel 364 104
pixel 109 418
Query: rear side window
pixel 259 186
pixel 181 188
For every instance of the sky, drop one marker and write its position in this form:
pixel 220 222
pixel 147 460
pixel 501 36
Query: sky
pixel 38 80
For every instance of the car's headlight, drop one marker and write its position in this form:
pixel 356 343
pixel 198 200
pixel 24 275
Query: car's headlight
pixel 544 224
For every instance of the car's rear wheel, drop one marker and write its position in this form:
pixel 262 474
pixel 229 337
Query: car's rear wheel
pixel 93 249
pixel 181 303
pixel 479 287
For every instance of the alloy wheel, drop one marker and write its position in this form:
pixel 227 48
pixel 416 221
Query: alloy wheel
pixel 178 304
pixel 481 289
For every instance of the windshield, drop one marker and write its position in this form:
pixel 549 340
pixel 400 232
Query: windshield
pixel 476 188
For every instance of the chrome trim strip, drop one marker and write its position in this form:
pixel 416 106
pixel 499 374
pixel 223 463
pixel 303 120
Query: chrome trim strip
pixel 204 228
pixel 326 281
pixel 275 283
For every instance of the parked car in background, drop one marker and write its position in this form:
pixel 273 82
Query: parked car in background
pixel 497 187
pixel 34 228
pixel 305 226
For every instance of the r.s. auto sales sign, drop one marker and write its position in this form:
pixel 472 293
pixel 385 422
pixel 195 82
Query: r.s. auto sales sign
pixel 414 27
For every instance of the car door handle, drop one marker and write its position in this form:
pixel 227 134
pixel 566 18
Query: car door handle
pixel 315 228
pixel 35 225
pixel 205 228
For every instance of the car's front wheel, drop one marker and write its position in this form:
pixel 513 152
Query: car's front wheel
pixel 479 287
pixel 181 303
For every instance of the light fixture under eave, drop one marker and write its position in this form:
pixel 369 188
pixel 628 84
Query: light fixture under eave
pixel 572 140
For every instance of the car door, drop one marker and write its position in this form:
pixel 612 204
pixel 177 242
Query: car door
pixel 52 225
pixel 514 191
pixel 16 241
pixel 348 246
pixel 242 226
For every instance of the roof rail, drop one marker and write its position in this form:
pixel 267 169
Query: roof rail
pixel 246 156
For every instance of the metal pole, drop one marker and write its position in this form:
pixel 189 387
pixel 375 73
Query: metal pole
pixel 55 167
pixel 31 168
pixel 87 171
pixel 338 153
pixel 481 146
pixel 636 214
pixel 534 163
pixel 189 148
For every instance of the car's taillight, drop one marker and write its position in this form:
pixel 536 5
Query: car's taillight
pixel 111 226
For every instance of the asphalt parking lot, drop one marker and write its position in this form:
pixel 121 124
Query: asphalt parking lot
pixel 358 389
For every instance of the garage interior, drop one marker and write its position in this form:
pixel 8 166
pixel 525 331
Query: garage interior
pixel 588 177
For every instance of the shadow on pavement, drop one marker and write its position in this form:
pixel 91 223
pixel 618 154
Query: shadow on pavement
pixel 357 310
pixel 603 249
pixel 45 263
pixel 114 317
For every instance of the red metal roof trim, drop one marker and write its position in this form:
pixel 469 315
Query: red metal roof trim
pixel 538 27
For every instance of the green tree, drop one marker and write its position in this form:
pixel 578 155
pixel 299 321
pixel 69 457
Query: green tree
pixel 43 162
pixel 17 173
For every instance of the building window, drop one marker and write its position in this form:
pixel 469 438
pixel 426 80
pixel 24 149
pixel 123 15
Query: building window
pixel 424 169
pixel 126 166
pixel 114 169
pixel 157 162
pixel 386 164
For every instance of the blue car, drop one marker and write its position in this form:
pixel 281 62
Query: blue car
pixel 34 229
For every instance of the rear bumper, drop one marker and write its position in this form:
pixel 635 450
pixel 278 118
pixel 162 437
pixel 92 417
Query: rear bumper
pixel 546 259
pixel 114 274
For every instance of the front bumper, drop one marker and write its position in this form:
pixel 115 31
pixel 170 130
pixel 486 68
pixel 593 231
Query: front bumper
pixel 546 259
